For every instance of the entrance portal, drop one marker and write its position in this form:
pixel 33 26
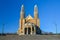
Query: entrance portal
pixel 25 30
pixel 29 30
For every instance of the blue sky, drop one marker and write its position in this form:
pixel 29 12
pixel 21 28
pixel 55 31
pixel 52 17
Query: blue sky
pixel 49 14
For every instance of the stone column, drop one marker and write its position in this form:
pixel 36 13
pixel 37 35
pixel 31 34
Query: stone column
pixel 31 30
pixel 27 30
pixel 34 30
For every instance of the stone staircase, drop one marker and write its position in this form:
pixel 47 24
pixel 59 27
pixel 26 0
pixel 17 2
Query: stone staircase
pixel 30 37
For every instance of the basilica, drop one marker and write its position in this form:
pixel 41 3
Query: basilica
pixel 29 25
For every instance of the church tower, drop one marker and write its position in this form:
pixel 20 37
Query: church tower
pixel 35 12
pixel 36 17
pixel 21 21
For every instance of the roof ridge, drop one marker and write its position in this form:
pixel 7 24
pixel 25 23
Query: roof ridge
pixel 29 17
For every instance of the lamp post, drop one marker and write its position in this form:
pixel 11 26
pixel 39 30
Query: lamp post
pixel 3 28
pixel 56 28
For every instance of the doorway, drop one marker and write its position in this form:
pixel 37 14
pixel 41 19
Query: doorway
pixel 25 30
pixel 29 30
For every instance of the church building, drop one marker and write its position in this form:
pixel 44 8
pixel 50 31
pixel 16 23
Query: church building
pixel 29 25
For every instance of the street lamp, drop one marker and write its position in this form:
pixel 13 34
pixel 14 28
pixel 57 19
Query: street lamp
pixel 56 28
pixel 3 28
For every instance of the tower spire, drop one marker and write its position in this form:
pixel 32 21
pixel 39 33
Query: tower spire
pixel 35 12
pixel 22 12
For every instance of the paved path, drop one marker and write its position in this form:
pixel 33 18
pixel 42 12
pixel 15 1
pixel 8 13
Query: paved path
pixel 30 37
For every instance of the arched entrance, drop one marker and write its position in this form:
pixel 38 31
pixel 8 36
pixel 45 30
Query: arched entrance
pixel 29 30
pixel 25 30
